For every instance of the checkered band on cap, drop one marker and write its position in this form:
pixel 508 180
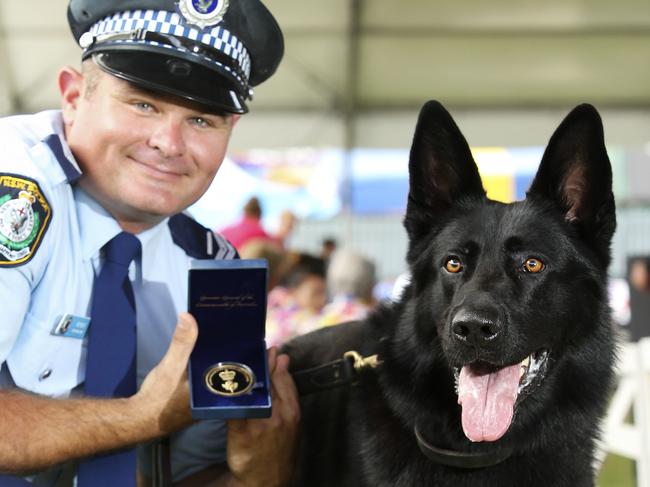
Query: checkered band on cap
pixel 171 23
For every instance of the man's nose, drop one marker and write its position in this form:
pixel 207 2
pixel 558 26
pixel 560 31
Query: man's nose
pixel 167 137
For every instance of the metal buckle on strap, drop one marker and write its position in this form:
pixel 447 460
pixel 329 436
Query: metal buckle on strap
pixel 338 373
pixel 360 363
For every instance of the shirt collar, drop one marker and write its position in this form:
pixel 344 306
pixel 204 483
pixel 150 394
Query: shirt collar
pixel 97 227
pixel 151 239
pixel 59 147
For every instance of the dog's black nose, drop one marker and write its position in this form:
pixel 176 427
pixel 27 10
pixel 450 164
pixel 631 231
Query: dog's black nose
pixel 474 328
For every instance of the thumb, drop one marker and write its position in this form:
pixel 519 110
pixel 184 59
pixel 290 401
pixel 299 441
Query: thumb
pixel 182 342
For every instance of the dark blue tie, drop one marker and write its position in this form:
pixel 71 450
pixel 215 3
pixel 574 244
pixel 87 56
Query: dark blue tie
pixel 110 362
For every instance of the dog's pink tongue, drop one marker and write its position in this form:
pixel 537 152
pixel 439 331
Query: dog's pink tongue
pixel 488 401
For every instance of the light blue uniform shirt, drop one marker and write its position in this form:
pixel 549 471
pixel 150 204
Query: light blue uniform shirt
pixel 58 280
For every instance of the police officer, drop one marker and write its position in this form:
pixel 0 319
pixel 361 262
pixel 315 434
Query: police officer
pixel 142 131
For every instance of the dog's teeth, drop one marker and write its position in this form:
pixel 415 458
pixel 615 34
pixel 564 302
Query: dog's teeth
pixel 524 367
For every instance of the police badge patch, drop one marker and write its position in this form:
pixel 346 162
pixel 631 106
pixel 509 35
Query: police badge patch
pixel 24 217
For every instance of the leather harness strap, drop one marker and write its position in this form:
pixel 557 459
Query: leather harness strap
pixel 346 371
pixel 333 374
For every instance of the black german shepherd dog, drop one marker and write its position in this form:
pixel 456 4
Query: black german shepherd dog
pixel 496 363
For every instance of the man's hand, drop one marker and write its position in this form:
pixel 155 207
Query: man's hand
pixel 261 452
pixel 74 428
pixel 164 396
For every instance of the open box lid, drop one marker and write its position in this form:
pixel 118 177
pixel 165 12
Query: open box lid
pixel 228 300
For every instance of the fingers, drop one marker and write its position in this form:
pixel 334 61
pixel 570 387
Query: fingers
pixel 164 393
pixel 182 342
pixel 283 387
pixel 237 427
pixel 262 451
pixel 186 328
pixel 280 376
pixel 285 394
pixel 272 355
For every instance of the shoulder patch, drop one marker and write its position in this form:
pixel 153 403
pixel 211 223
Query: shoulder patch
pixel 198 241
pixel 24 217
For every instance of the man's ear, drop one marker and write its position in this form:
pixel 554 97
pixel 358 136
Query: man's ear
pixel 70 88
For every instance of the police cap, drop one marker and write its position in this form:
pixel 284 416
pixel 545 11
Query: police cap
pixel 208 51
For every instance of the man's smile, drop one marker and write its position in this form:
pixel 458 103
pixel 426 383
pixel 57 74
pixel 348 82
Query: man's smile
pixel 158 170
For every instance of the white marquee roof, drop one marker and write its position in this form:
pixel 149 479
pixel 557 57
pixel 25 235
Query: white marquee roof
pixel 348 60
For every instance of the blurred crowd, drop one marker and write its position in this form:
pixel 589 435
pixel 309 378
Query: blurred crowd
pixel 306 291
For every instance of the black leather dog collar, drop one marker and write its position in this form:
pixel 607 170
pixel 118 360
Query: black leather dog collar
pixel 346 370
pixel 459 459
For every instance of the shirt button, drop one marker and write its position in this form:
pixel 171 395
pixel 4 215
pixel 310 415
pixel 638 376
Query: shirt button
pixel 45 374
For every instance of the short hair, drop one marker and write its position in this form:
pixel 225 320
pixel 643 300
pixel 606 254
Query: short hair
pixel 260 248
pixel 352 274
pixel 253 208
pixel 299 266
pixel 91 74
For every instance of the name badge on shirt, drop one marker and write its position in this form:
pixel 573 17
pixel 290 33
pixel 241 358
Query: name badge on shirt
pixel 71 326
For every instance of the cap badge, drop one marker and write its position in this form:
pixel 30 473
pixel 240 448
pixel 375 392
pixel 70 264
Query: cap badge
pixel 203 13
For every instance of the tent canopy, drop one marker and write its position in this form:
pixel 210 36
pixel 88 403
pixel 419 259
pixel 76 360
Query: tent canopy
pixel 349 60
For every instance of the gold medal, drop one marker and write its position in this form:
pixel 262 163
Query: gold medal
pixel 229 379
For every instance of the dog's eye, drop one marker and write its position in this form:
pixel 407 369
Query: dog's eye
pixel 453 265
pixel 533 265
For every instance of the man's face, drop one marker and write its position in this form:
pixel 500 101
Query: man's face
pixel 143 156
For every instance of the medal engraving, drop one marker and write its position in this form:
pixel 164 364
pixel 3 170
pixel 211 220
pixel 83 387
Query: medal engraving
pixel 229 379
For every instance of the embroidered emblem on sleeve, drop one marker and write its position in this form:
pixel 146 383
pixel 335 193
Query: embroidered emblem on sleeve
pixel 24 217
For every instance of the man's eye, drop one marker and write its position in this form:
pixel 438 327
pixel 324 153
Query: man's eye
pixel 201 122
pixel 144 106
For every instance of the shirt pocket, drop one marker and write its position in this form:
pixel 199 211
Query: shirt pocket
pixel 44 363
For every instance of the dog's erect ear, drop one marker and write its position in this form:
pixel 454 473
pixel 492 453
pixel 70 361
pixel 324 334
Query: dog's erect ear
pixel 576 174
pixel 441 169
